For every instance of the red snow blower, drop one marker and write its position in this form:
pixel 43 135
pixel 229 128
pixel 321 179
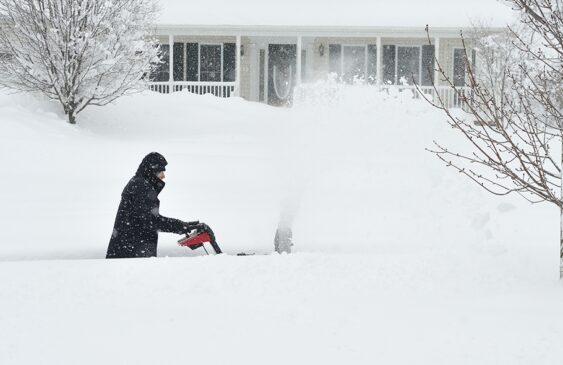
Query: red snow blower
pixel 198 237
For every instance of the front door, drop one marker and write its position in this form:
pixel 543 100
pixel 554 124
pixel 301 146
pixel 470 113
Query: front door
pixel 281 73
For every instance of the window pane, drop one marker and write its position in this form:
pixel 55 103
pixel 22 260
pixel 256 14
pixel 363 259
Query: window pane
pixel 427 65
pixel 459 67
pixel 161 71
pixel 178 61
pixel 389 64
pixel 372 63
pixel 210 63
pixel 192 61
pixel 335 58
pixel 408 64
pixel 229 62
pixel 354 63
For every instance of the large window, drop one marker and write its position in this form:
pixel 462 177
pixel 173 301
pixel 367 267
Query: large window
pixel 353 62
pixel 210 66
pixel 198 62
pixel 410 64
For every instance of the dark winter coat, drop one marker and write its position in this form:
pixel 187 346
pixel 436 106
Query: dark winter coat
pixel 138 221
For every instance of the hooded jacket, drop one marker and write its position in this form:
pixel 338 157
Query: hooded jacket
pixel 138 220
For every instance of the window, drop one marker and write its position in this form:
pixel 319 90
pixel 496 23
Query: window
pixel 408 65
pixel 210 66
pixel 427 61
pixel 389 58
pixel 459 67
pixel 178 68
pixel 200 62
pixel 335 58
pixel 353 62
pixel 192 62
pixel 372 64
pixel 229 62
pixel 161 72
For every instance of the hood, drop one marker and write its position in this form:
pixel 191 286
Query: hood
pixel 151 165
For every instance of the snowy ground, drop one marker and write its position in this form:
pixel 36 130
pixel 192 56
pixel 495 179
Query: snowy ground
pixel 398 259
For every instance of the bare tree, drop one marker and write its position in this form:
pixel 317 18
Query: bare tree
pixel 514 124
pixel 79 52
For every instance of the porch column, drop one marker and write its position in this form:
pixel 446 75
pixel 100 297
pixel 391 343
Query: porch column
pixel 171 62
pixel 237 67
pixel 379 52
pixel 436 58
pixel 299 46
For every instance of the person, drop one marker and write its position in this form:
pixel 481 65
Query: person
pixel 138 220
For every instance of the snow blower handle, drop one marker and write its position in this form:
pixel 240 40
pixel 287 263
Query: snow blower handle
pixel 190 226
pixel 204 228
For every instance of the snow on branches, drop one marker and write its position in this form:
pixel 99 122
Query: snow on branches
pixel 79 52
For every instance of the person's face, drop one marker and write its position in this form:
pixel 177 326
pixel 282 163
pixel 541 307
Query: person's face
pixel 161 175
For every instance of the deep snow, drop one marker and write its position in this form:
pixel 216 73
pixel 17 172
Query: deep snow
pixel 398 259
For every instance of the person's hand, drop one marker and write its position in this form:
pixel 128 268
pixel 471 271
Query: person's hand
pixel 202 227
pixel 190 226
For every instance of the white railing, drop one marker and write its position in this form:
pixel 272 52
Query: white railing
pixel 220 89
pixel 450 98
pixel 444 95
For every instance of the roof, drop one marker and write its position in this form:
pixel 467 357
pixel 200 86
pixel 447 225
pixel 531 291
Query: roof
pixel 338 13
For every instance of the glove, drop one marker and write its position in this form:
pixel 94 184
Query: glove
pixel 190 226
pixel 202 227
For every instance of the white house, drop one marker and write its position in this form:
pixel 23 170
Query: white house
pixel 261 51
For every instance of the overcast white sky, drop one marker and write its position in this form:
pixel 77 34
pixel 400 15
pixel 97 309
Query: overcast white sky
pixel 418 13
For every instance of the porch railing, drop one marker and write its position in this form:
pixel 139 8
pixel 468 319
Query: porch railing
pixel 220 89
pixel 450 98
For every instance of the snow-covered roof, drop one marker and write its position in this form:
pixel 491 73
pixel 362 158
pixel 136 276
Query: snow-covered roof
pixel 378 13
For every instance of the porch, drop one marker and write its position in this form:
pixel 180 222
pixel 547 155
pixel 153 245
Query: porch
pixel 266 65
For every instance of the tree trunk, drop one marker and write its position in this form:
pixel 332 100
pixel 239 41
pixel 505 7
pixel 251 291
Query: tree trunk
pixel 71 118
pixel 70 109
pixel 561 216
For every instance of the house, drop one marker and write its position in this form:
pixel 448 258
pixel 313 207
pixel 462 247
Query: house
pixel 261 50
pixel 268 48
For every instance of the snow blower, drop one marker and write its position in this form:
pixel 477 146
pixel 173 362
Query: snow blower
pixel 203 234
pixel 198 237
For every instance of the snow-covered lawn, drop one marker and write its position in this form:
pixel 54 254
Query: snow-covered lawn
pixel 397 259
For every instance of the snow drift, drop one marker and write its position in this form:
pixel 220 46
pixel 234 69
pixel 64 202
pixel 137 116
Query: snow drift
pixel 393 250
